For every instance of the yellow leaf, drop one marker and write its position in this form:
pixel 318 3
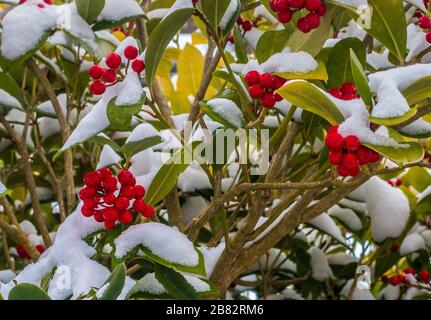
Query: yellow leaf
pixel 119 35
pixel 172 54
pixel 198 38
pixel 180 103
pixel 190 69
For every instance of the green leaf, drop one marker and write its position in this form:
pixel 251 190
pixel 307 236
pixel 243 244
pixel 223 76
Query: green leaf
pixel 388 25
pixel 418 90
pixel 360 79
pixel 161 37
pixel 109 24
pixel 401 156
pixel 339 65
pixel 319 74
pixel 232 22
pixel 174 283
pixel 214 10
pixel 394 121
pixel 240 46
pixel 115 283
pixel 103 139
pixel 308 97
pixel 27 291
pixel 132 148
pixel 270 43
pixel 89 10
pixel 313 41
pixel 120 116
pixel 8 84
pixel 166 178
pixel 223 118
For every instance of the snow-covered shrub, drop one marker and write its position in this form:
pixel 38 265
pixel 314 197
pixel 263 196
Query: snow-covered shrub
pixel 112 114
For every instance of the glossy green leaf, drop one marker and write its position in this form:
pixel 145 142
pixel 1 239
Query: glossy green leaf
pixel 240 46
pixel 175 283
pixel 27 291
pixel 308 97
pixel 8 84
pixel 115 283
pixel 132 148
pixel 120 116
pixel 394 121
pixel 223 118
pixel 388 25
pixel 360 79
pixel 89 10
pixel 214 10
pixel 413 152
pixel 160 39
pixel 418 90
pixel 339 65
pixel 270 43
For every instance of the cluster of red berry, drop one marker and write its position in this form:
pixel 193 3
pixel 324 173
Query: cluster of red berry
pixel 40 4
pixel 347 91
pixel 424 22
pixel 400 279
pixel 262 87
pixel 105 204
pixel 246 25
pixel 347 153
pixel 395 182
pixel 286 8
pixel 22 253
pixel 102 76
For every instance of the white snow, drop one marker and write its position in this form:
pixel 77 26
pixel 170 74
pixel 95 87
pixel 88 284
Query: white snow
pixel 358 294
pixel 28 227
pixel 193 179
pixel 319 265
pixel 388 208
pixel 228 110
pixel 6 276
pixel 159 239
pixel 327 225
pixel 341 258
pixel 228 15
pixel 8 100
pixel 412 243
pixel 211 256
pixel 347 216
pixel 115 10
pixel 24 26
pixel 418 127
pixel 130 90
pixel 353 3
pixel 142 132
pixel 417 3
pixel 47 107
pixel 390 293
pixel 108 157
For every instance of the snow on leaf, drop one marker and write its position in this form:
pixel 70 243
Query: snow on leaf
pixel 224 111
pixel 412 243
pixel 352 3
pixel 347 216
pixel 108 157
pixel 116 12
pixel 327 225
pixel 388 208
pixel 319 265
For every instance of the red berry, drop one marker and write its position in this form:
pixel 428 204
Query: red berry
pixel 90 203
pixel 109 224
pixel 424 276
pixel 126 178
pixel 285 16
pixel 395 281
pixel 266 80
pixel 398 182
pixel 428 36
pixel 364 155
pixel 374 156
pixel 273 4
pixel 139 192
pixel 394 247
pixel 40 248
pixel 87 212
pixel 312 5
pixel 239 20
pixel 97 88
pixel 105 172
pixel 122 203
pixel 126 217
pixel 110 214
pixel 247 25
pixel 110 183
pixel 277 97
pixel 401 278
pixel 138 66
pixel 93 179
pixel 336 93
pixel 22 252
pixel 303 26
pixel 312 20
pixel 87 192
pixel 350 162
pixel 128 192
pixel 335 157
pixel 252 77
pixel 148 212
pixel 109 75
pixel 334 141
pixel 22 1
pixel 255 91
pixel 322 10
pixel 98 216
pixel 109 199
pixel 348 88
pixel 424 22
pixel 48 1
pixel 409 270
pixel 268 100
pixel 384 279
pixel 113 60
pixel 297 4
pixel 333 129
pixel 281 6
pixel 342 171
pixel 41 5
pixel 277 82
pixel 350 96
pixel 96 72
pixel 231 39
pixel 352 143
pixel 131 52
pixel 194 2
pixel 139 205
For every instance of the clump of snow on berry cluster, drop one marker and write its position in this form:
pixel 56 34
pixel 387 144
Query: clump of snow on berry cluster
pixel 388 209
pixel 158 238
